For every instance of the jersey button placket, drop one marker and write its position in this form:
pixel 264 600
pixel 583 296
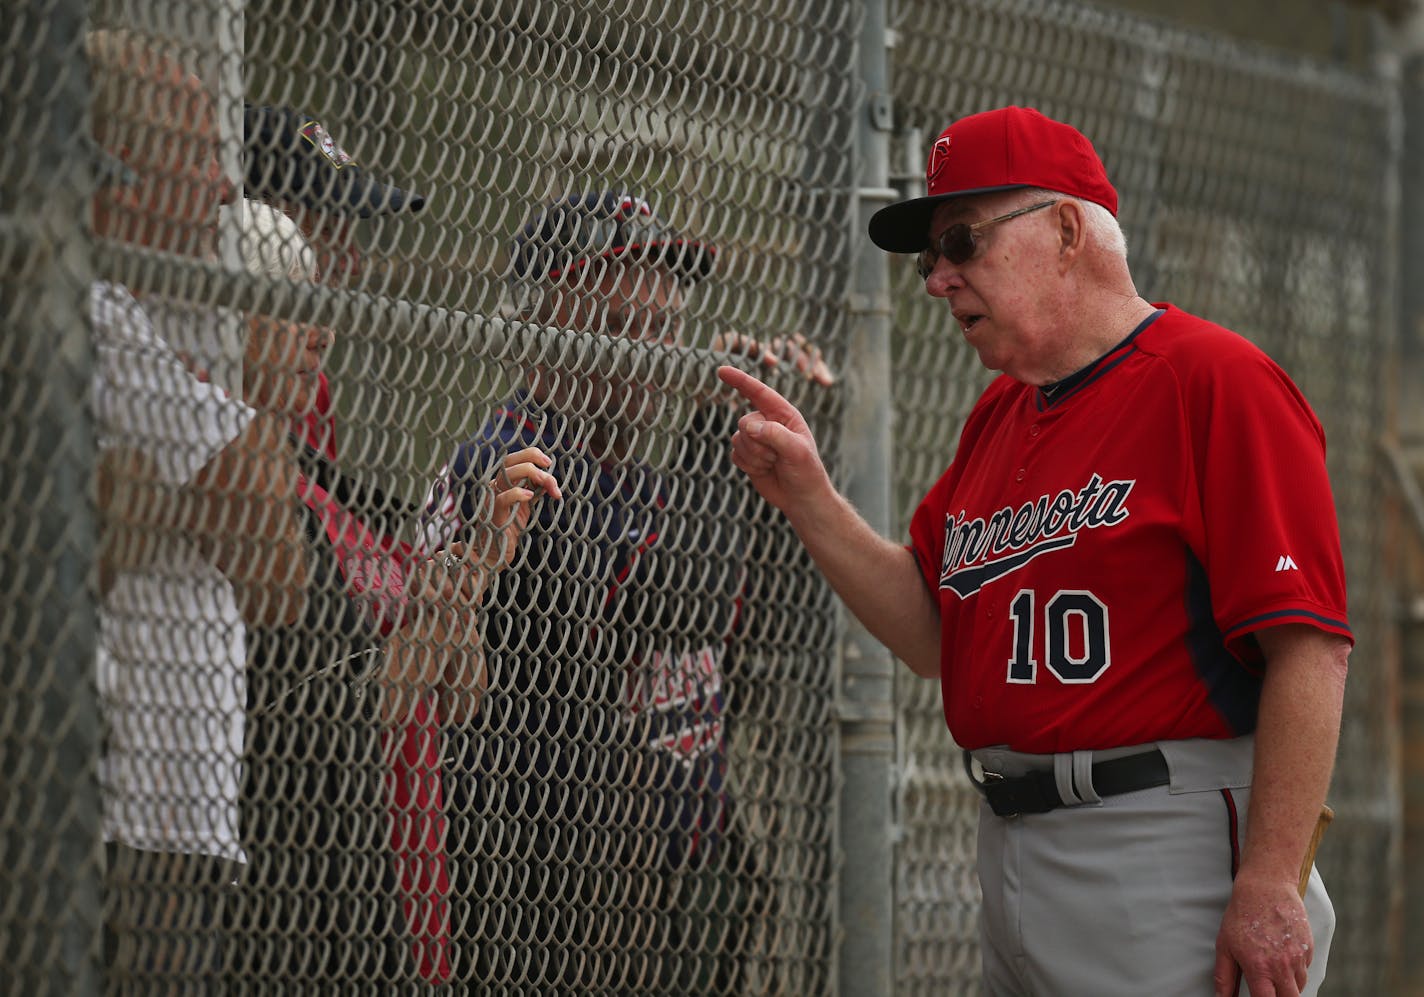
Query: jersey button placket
pixel 1026 452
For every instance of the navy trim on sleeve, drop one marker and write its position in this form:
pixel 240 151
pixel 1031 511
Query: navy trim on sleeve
pixel 1285 613
pixel 1231 688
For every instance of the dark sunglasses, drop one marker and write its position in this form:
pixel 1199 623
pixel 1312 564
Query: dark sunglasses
pixel 958 243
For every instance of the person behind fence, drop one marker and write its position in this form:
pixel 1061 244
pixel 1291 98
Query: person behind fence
pixel 199 537
pixel 385 627
pixel 594 786
pixel 293 164
pixel 1129 583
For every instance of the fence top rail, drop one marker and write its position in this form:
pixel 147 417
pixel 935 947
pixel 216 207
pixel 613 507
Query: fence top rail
pixel 682 371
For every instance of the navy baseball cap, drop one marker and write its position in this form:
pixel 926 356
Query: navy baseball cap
pixel 1004 149
pixel 290 156
pixel 568 233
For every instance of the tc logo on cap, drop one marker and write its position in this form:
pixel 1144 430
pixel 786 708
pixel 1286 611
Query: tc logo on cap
pixel 939 156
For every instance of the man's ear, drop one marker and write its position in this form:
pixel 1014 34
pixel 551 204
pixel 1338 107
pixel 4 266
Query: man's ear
pixel 1072 231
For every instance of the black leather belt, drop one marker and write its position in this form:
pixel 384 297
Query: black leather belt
pixel 1037 792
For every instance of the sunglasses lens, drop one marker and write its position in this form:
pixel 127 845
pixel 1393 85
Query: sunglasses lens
pixel 957 243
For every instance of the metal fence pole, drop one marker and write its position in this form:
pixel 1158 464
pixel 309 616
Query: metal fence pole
pixel 1409 421
pixel 49 825
pixel 866 697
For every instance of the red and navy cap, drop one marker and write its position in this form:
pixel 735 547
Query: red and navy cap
pixel 292 157
pixel 577 228
pixel 1005 149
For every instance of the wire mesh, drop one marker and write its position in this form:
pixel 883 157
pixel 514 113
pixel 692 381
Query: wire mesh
pixel 358 738
pixel 350 734
pixel 1254 191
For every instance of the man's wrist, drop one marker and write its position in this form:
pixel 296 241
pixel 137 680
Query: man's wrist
pixel 819 514
pixel 1268 872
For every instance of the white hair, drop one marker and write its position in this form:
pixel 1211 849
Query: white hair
pixel 1103 228
pixel 271 243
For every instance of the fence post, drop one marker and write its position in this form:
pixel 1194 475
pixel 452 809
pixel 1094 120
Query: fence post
pixel 865 700
pixel 50 897
pixel 1407 975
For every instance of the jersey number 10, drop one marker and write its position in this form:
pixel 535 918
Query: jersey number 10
pixel 1075 644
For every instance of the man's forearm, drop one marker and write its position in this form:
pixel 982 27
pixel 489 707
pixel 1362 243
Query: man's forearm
pixel 1298 728
pixel 877 579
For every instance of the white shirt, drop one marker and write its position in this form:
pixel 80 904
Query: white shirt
pixel 172 647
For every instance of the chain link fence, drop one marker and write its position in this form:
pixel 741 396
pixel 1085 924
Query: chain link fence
pixel 1255 190
pixel 287 709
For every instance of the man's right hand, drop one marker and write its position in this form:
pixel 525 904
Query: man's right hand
pixel 879 580
pixel 774 446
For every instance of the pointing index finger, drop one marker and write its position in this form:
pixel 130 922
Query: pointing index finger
pixel 764 398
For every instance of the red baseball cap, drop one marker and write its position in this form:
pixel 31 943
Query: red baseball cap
pixel 1004 149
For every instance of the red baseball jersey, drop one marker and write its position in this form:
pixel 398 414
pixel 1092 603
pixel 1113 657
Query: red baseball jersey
pixel 1104 556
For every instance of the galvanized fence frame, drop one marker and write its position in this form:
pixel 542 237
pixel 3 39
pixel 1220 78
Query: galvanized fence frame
pixel 49 831
pixel 1235 168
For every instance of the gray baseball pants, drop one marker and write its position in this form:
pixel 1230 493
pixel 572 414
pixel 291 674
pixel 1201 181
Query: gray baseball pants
pixel 1121 895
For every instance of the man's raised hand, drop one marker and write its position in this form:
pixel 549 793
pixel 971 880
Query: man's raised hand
pixel 773 445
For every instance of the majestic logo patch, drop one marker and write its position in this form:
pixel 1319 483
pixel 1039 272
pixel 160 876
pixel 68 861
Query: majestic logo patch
pixel 979 551
pixel 939 156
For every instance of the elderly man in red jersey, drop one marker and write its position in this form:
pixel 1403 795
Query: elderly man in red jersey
pixel 1128 582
